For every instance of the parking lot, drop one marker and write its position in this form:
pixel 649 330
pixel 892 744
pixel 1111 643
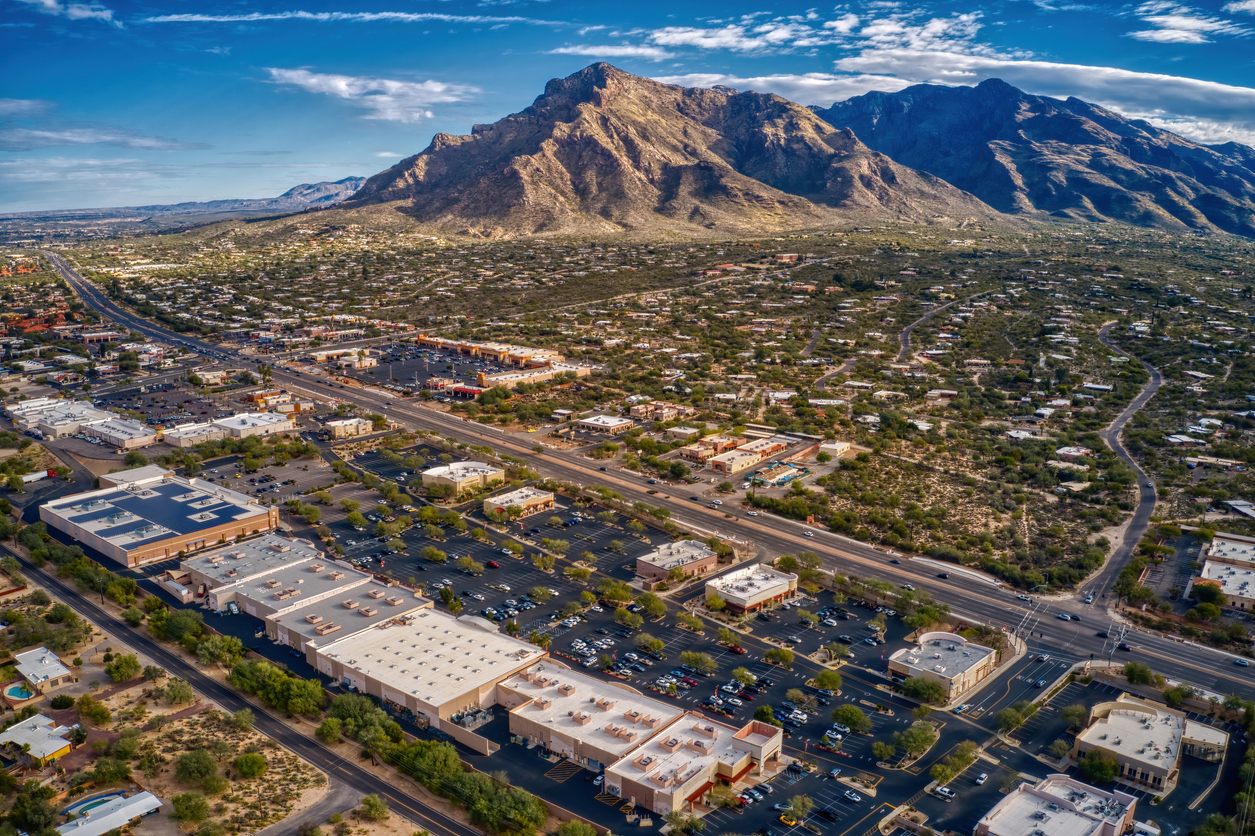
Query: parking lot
pixel 413 365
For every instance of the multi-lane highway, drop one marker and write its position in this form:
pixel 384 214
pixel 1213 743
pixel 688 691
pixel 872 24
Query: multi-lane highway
pixel 977 601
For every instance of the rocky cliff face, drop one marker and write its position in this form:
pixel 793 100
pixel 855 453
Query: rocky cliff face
pixel 294 199
pixel 603 152
pixel 1025 154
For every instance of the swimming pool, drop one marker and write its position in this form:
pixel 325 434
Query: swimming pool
pixel 81 806
pixel 19 691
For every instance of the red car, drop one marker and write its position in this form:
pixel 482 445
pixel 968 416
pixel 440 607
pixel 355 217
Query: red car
pixel 746 695
pixel 737 649
pixel 492 564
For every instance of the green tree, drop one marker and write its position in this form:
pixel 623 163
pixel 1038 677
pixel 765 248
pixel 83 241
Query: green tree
pixel 178 692
pixel 223 650
pixel 652 605
pixel 133 616
pixel 124 668
pixel 924 690
pixel 1096 768
pixel 190 807
pixel 884 751
pixel 194 767
pixel 1059 749
pixel 800 806
pixel 765 714
pixel 373 808
pixel 828 680
pixel 743 676
pixel 702 662
pixel 329 731
pixel 1074 715
pixel 648 643
pixel 251 765
pixel 780 656
pixel 853 718
pixel 628 619
pixel 1138 674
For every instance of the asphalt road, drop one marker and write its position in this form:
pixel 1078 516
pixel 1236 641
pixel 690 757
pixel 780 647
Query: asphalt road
pixel 1145 487
pixel 979 602
pixel 905 337
pixel 278 728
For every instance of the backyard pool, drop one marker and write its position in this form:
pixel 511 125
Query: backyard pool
pixel 80 807
pixel 19 691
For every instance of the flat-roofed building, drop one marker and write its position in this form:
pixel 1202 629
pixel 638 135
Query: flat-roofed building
pixel 528 500
pixel 189 435
pixel 114 814
pixel 349 427
pixel 608 424
pixel 752 588
pixel 256 423
pixel 245 560
pixel 56 418
pixel 734 461
pixel 690 557
pixel 464 476
pixel 309 581
pixel 39 738
pixel 1229 564
pixel 1059 806
pixel 710 446
pixel 674 769
pixel 134 476
pixel 43 669
pixel 1147 740
pixel 122 433
pixel 950 660
pixel 311 625
pixel 432 664
pixel 157 518
pixel 586 719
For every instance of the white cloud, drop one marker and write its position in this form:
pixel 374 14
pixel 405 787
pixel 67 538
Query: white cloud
pixel 346 17
pixel 382 98
pixel 1240 6
pixel 653 53
pixel 1177 24
pixel 807 88
pixel 1194 108
pixel 10 108
pixel 62 169
pixel 844 24
pixel 73 11
pixel 27 139
pixel 388 154
pixel 586 29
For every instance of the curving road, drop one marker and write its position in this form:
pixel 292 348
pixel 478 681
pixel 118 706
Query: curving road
pixel 905 337
pixel 1146 496
pixel 984 603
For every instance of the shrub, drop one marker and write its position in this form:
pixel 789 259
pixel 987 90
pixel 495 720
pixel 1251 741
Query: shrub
pixel 62 701
pixel 373 808
pixel 190 807
pixel 251 765
pixel 194 767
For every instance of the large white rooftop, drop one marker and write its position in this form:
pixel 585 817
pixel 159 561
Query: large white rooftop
pixel 40 665
pixel 115 813
pixel 946 654
pixel 463 470
pixel 753 580
pixel 682 751
pixel 41 734
pixel 245 420
pixel 608 717
pixel 1058 806
pixel 1147 733
pixel 520 497
pixel 1232 548
pixel 434 656
pixel 250 558
pixel 605 421
pixel 677 553
pixel 1234 580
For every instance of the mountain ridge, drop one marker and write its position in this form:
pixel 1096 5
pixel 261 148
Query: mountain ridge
pixel 1034 155
pixel 602 152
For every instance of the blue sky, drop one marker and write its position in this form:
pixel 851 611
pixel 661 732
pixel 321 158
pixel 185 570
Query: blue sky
pixel 120 104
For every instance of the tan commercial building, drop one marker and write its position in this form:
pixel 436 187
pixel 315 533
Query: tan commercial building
pixel 157 517
pixel 464 476
pixel 313 624
pixel 121 433
pixel 712 445
pixel 256 423
pixel 950 660
pixel 297 583
pixel 1147 740
pixel 1060 806
pixel 675 769
pixel 608 424
pixel 752 588
pixel 349 427
pixel 1229 565
pixel 583 718
pixel 690 557
pixel 245 560
pixel 189 435
pixel 429 663
pixel 734 461
pixel 528 500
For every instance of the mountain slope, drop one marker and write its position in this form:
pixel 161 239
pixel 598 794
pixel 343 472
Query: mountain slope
pixel 1028 154
pixel 603 151
pixel 293 200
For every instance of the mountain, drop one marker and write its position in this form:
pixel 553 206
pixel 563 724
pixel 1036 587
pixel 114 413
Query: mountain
pixel 603 152
pixel 55 225
pixel 294 199
pixel 1025 154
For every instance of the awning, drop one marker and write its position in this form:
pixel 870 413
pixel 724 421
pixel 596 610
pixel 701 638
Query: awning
pixel 702 790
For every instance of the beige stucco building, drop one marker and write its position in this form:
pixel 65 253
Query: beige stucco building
pixel 1147 740
pixel 464 476
pixel 529 500
pixel 691 557
pixel 753 588
pixel 947 659
pixel 1059 806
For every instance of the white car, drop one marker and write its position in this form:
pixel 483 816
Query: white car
pixel 982 778
pixel 596 608
pixel 734 702
pixel 850 795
